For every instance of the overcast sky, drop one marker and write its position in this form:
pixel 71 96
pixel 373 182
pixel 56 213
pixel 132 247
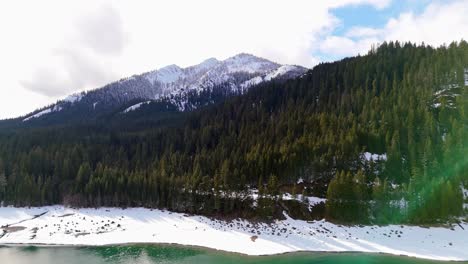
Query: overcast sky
pixel 49 49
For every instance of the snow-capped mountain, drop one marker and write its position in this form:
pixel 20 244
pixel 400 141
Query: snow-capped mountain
pixel 176 85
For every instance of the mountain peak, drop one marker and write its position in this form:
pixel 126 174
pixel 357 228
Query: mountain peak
pixel 210 61
pixel 167 74
pixel 235 74
pixel 206 64
pixel 171 67
pixel 244 62
pixel 245 55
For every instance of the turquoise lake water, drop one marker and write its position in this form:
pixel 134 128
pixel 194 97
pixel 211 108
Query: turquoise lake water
pixel 147 254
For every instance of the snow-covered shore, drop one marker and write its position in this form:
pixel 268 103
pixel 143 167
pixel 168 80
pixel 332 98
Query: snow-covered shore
pixel 64 226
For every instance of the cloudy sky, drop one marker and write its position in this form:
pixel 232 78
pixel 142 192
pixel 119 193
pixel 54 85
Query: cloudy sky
pixel 49 49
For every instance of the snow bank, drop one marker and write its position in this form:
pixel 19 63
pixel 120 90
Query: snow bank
pixel 103 226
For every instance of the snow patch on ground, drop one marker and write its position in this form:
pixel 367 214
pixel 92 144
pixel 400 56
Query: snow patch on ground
pixel 466 77
pixel 280 71
pixel 374 157
pixel 73 98
pixel 252 82
pixel 60 225
pixel 37 115
pixel 135 107
pixel 311 200
pixel 448 93
pixel 55 108
pixel 465 197
pixel 446 88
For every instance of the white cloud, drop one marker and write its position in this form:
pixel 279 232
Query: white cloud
pixel 362 32
pixel 440 23
pixel 51 48
pixel 379 4
pixel 102 30
pixel 68 70
pixel 343 46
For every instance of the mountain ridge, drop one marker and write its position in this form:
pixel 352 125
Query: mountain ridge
pixel 174 85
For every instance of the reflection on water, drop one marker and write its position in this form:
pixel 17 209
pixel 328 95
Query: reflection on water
pixel 142 254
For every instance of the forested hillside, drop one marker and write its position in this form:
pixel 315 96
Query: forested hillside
pixel 382 136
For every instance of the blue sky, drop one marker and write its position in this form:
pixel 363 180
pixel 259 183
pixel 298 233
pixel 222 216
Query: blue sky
pixel 369 16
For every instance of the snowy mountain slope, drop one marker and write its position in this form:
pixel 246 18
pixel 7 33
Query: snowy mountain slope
pixel 175 80
pixel 176 85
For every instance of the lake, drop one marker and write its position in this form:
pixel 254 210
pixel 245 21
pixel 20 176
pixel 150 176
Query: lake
pixel 146 254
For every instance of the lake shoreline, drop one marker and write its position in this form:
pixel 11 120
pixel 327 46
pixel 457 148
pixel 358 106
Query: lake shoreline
pixel 69 227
